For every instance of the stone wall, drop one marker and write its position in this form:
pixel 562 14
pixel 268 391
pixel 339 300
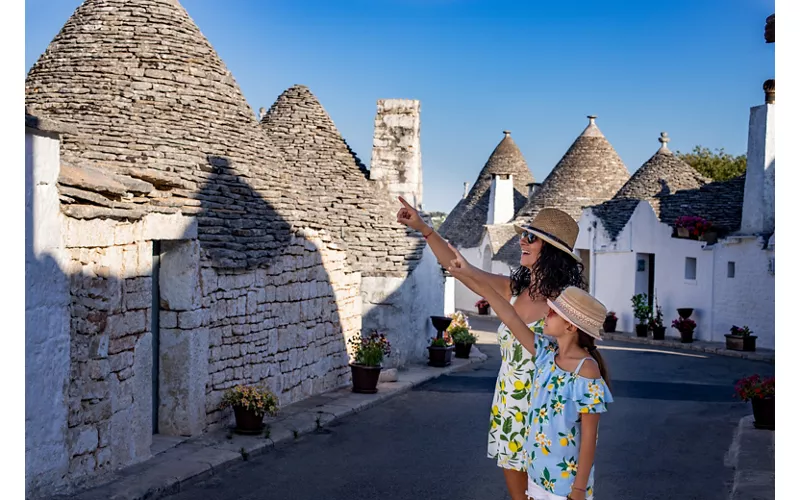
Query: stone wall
pixel 396 163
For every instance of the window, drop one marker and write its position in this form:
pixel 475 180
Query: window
pixel 731 269
pixel 690 270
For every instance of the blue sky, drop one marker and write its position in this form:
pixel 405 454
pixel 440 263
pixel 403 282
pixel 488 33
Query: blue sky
pixel 691 68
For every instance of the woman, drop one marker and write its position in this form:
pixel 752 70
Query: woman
pixel 547 266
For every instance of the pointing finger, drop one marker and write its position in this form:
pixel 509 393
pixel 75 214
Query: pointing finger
pixel 404 202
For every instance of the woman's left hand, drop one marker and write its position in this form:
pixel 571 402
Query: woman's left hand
pixel 459 267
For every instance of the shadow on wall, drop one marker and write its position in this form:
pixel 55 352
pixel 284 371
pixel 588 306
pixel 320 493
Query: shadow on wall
pixel 247 300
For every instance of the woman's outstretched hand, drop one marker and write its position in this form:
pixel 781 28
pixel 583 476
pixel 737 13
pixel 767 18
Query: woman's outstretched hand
pixel 408 216
pixel 459 267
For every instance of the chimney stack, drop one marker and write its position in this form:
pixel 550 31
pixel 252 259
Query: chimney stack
pixel 466 190
pixel 396 163
pixel 501 199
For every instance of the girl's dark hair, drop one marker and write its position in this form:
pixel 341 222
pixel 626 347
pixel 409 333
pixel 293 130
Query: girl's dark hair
pixel 587 342
pixel 552 272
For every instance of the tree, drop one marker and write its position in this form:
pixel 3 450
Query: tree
pixel 717 165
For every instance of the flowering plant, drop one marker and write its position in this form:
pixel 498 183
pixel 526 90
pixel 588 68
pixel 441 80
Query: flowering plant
pixel 459 320
pixel 684 325
pixel 482 303
pixel 440 342
pixel 755 387
pixel 741 332
pixel 370 350
pixel 256 398
pixel 697 226
pixel 611 314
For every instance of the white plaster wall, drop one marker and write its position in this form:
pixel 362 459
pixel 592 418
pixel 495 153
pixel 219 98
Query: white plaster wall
pixel 615 276
pixel 401 307
pixel 449 295
pixel 501 200
pixel 758 208
pixel 466 298
pixel 749 297
pixel 47 320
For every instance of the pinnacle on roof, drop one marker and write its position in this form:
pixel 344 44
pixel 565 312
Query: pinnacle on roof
pixel 589 173
pixel 664 173
pixel 328 174
pixel 462 226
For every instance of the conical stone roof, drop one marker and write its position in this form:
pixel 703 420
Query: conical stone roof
pixel 662 175
pixel 589 173
pixel 463 225
pixel 160 114
pixel 332 183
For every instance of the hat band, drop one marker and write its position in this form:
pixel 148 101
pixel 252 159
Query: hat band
pixel 577 317
pixel 551 236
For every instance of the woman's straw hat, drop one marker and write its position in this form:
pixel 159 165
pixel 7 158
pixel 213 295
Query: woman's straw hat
pixel 555 227
pixel 580 309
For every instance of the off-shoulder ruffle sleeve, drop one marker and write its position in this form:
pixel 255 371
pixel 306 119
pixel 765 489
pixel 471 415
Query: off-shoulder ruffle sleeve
pixel 591 395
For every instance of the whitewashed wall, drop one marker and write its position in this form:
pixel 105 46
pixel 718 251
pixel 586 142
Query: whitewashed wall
pixel 465 298
pixel 615 269
pixel 47 320
pixel 749 297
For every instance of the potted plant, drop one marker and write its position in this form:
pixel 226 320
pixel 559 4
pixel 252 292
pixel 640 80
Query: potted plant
pixel 761 394
pixel 459 333
pixel 483 307
pixel 368 353
pixel 642 312
pixel 250 404
pixel 440 351
pixel 610 323
pixel 740 339
pixel 691 226
pixel 657 324
pixel 686 326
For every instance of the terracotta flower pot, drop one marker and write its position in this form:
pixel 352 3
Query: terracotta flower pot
pixel 659 332
pixel 740 343
pixel 763 413
pixel 365 378
pixel 248 421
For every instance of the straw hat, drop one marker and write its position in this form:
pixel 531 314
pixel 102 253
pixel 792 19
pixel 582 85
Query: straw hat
pixel 580 309
pixel 555 227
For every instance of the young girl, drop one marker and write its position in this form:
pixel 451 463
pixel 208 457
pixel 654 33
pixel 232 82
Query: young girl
pixel 569 389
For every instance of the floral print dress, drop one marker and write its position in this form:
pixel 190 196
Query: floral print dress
pixel 511 400
pixel 553 440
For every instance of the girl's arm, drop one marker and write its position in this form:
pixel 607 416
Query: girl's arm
pixel 589 423
pixel 463 270
pixel 408 216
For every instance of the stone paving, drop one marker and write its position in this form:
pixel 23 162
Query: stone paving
pixel 752 456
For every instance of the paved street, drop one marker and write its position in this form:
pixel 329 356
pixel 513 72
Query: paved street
pixel 664 437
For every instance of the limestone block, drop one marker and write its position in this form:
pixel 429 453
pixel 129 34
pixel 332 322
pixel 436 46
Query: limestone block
pixel 89 233
pixel 180 275
pixel 82 465
pixel 141 430
pixel 183 374
pixel 98 346
pixel 82 440
pixel 169 227
pixel 188 320
pixel 129 323
pixel 168 319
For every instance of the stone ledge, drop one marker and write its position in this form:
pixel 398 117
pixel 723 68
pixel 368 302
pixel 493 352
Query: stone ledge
pixel 765 355
pixel 197 458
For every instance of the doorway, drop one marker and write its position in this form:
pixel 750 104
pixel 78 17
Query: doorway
pixel 645 275
pixel 155 314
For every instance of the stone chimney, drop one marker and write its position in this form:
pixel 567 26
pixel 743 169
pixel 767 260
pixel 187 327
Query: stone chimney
pixel 501 199
pixel 262 112
pixel 396 163
pixel 758 208
pixel 532 187
pixel 466 190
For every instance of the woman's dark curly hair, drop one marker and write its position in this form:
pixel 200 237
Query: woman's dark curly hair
pixel 552 272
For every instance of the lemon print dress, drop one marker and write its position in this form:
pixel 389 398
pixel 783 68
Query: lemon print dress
pixel 511 399
pixel 553 441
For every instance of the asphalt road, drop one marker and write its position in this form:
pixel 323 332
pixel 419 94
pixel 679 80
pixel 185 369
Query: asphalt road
pixel 664 437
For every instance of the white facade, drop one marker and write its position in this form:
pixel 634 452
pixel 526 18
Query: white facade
pixel 731 282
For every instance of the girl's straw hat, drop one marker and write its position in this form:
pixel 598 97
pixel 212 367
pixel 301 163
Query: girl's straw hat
pixel 580 309
pixel 555 227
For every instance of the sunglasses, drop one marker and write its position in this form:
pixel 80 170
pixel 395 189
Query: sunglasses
pixel 529 237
